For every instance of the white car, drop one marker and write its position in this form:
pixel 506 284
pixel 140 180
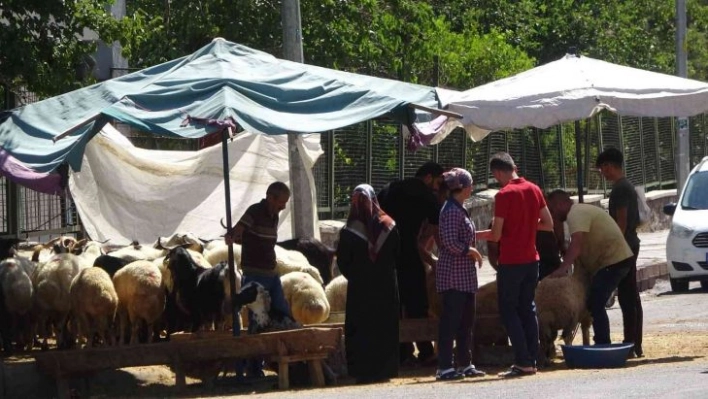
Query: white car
pixel 687 243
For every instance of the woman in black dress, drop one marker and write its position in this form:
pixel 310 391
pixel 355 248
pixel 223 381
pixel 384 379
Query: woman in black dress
pixel 366 256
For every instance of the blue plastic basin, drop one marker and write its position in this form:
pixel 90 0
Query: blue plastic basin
pixel 596 356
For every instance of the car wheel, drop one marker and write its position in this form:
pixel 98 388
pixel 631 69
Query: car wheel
pixel 679 285
pixel 704 284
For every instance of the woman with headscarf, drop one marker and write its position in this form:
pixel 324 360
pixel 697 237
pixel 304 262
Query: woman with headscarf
pixel 456 280
pixel 366 256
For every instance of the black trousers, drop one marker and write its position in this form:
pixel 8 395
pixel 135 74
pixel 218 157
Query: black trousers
pixel 456 324
pixel 631 304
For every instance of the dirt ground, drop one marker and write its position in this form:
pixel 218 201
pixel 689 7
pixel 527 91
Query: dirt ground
pixel 158 381
pixel 674 332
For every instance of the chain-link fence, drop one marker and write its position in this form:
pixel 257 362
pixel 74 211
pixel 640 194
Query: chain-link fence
pixel 374 152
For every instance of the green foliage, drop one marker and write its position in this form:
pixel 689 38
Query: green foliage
pixel 43 49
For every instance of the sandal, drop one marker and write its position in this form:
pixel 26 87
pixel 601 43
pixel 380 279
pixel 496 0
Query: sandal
pixel 514 372
pixel 448 375
pixel 471 371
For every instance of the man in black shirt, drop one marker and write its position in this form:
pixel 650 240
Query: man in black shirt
pixel 624 210
pixel 410 202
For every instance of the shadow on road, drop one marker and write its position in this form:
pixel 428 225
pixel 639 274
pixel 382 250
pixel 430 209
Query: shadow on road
pixel 661 360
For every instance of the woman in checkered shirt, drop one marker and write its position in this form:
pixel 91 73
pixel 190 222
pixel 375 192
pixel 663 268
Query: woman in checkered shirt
pixel 456 280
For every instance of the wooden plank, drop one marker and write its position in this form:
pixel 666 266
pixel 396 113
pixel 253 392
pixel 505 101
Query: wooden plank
pixel 316 374
pixel 205 348
pixel 414 330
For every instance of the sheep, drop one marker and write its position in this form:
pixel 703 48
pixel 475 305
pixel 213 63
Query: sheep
pixel 87 251
pixel 52 282
pixel 94 302
pixel 135 251
pixel 141 297
pixel 287 261
pixel 217 251
pixel 266 318
pixel 317 254
pixel 16 300
pixel 434 302
pixel 198 292
pixel 336 292
pixel 186 240
pixel 307 298
pixel 110 264
pixel 42 252
pixel 562 304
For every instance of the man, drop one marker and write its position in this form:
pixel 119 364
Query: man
pixel 519 211
pixel 548 253
pixel 410 202
pixel 257 232
pixel 598 245
pixel 624 210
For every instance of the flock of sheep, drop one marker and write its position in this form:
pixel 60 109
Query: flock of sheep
pixel 87 294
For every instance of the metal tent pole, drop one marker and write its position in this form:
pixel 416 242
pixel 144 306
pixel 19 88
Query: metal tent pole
pixel 236 323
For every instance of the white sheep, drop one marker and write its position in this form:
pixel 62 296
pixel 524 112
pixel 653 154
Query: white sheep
pixel 17 300
pixel 42 252
pixel 307 298
pixel 288 261
pixel 265 316
pixel 141 297
pixel 94 302
pixel 52 283
pixel 135 251
pixel 336 292
pixel 87 251
pixel 217 251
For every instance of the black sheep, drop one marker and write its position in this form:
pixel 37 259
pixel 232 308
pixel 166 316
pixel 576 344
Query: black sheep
pixel 110 264
pixel 198 293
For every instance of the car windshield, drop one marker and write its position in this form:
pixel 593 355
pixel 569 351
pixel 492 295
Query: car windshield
pixel 696 194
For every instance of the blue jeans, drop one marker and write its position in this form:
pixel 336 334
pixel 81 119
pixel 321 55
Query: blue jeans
pixel 603 283
pixel 516 286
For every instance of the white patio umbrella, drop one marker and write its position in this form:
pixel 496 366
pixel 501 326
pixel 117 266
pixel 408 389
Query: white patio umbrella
pixel 570 89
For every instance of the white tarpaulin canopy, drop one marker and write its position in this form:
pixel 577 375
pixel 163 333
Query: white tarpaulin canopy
pixel 124 193
pixel 572 88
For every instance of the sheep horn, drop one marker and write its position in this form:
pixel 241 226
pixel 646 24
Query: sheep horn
pixel 222 223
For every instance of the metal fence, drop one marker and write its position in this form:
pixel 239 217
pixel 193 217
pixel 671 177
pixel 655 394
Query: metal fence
pixel 374 152
pixel 26 213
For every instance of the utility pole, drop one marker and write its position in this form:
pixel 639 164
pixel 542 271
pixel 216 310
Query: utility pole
pixel 302 189
pixel 683 144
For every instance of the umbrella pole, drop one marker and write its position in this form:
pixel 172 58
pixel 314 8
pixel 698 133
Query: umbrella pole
pixel 236 322
pixel 579 161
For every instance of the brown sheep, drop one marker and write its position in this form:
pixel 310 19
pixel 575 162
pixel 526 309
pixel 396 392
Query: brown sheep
pixel 141 297
pixel 94 302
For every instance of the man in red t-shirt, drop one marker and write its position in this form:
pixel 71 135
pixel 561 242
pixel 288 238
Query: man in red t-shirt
pixel 519 211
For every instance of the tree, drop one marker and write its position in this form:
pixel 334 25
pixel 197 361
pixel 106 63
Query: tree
pixel 44 49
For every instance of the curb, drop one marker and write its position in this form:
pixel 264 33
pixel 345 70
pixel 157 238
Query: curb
pixel 647 275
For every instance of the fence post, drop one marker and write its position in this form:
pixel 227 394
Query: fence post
pixel 657 152
pixel 537 134
pixel 561 151
pixel 330 172
pixel 13 208
pixel 601 144
pixel 368 151
pixel 641 153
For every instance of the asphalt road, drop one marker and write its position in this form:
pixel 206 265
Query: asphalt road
pixel 669 377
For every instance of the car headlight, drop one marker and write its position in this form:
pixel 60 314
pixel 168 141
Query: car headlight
pixel 679 231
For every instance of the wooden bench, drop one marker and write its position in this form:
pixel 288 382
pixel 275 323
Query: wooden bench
pixel 307 344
